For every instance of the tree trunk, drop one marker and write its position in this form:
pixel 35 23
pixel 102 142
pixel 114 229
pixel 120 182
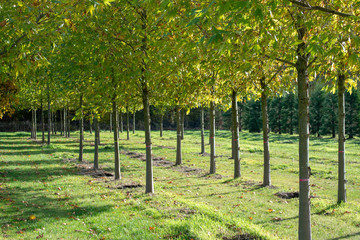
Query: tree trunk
pixel 149 167
pixel 178 136
pixel 118 119
pixel 341 140
pixel 304 168
pixel 121 122
pixel 96 153
pixel 212 138
pixel 42 123
pixel 32 124
pixel 49 114
pixel 61 123
pixel 182 115
pixel 134 122
pixel 235 134
pixel 111 124
pixel 55 122
pixel 35 125
pixel 65 124
pixel 265 128
pixel 116 141
pixel 81 123
pixel 127 124
pixel 161 124
pixel 240 116
pixel 202 131
pixel 68 122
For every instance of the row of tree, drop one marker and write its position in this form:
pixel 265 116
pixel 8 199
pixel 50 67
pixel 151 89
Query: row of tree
pixel 120 55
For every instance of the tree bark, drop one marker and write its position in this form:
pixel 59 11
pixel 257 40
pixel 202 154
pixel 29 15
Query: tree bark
pixel 304 168
pixel 182 115
pixel 55 122
pixel 178 136
pixel 121 122
pixel 134 122
pixel 96 153
pixel 240 116
pixel 64 124
pixel 81 123
pixel 116 141
pixel 32 123
pixel 42 123
pixel 341 140
pixel 49 113
pixel 202 131
pixel 235 134
pixel 111 118
pixel 161 124
pixel 35 125
pixel 212 138
pixel 127 123
pixel 68 122
pixel 61 123
pixel 265 128
pixel 149 166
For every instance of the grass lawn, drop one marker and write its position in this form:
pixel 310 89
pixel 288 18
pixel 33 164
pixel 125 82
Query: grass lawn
pixel 46 194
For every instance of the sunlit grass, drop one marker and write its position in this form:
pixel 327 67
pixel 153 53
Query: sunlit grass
pixel 43 196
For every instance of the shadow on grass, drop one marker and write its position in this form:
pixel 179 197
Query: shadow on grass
pixel 347 236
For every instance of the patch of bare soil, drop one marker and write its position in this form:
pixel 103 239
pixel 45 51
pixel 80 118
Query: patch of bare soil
pixel 241 237
pixel 287 195
pixel 186 169
pixel 167 147
pixel 87 168
pixel 140 156
pixel 128 185
pixel 208 155
pixel 213 176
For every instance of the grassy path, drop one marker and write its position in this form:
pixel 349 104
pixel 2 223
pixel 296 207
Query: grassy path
pixel 43 196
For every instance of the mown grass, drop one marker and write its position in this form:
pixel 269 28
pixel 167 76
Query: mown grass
pixel 37 183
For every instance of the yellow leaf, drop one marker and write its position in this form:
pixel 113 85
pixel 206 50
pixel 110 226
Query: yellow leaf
pixel 32 217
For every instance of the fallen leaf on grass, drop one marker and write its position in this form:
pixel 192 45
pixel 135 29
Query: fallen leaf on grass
pixel 40 236
pixel 270 210
pixel 250 218
pixel 277 219
pixel 151 228
pixel 32 217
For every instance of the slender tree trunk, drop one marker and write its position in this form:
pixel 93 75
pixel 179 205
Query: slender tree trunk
pixel 111 118
pixel 68 122
pixel 61 123
pixel 35 125
pixel 304 167
pixel 161 124
pixel 81 123
pixel 341 140
pixel 212 138
pixel 202 131
pixel 121 122
pixel 65 120
pixel 149 166
pixel 55 122
pixel 96 153
pixel 127 123
pixel 49 114
pixel 118 118
pixel 145 95
pixel 265 128
pixel 32 124
pixel 240 116
pixel 42 123
pixel 235 134
pixel 178 136
pixel 116 141
pixel 134 122
pixel 182 115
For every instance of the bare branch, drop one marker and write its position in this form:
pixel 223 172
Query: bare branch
pixel 307 6
pixel 283 61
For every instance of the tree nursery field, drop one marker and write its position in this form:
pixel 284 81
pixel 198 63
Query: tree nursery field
pixel 46 193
